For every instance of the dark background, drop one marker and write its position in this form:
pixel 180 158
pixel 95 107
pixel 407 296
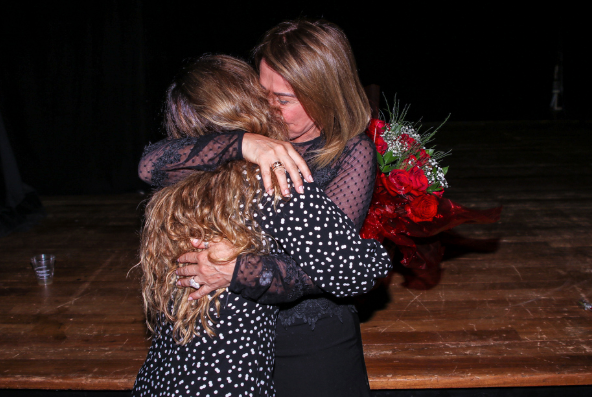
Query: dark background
pixel 81 83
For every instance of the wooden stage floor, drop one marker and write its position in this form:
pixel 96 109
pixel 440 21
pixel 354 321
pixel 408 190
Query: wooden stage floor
pixel 504 315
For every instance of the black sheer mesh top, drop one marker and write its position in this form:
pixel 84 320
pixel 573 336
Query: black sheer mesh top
pixel 170 160
pixel 348 182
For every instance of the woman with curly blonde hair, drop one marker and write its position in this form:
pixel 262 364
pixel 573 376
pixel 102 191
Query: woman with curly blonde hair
pixel 222 342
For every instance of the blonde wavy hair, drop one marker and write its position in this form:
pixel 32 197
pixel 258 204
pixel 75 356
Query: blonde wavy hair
pixel 316 59
pixel 212 95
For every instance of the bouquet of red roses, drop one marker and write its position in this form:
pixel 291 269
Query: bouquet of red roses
pixel 408 207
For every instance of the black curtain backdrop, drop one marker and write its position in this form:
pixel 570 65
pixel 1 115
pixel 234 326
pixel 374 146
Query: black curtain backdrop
pixel 73 84
pixel 20 207
pixel 81 83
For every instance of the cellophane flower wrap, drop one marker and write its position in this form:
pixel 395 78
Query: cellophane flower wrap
pixel 408 207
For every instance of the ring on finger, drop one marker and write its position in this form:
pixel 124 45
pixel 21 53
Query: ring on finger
pixel 276 165
pixel 206 244
pixel 193 283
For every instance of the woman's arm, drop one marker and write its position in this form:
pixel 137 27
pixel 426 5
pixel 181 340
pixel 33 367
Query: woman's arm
pixel 271 279
pixel 171 160
pixel 268 279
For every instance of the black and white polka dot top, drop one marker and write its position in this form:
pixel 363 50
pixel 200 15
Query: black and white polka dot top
pixel 324 242
pixel 239 360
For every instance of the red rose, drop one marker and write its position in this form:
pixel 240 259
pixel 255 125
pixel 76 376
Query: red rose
pixel 411 160
pixel 419 182
pixel 423 208
pixel 376 128
pixel 423 158
pixel 381 145
pixel 398 182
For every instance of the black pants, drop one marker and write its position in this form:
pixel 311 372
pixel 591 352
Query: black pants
pixel 326 361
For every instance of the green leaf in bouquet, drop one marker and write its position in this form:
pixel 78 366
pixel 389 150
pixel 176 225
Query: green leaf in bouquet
pixel 389 157
pixel 444 170
pixel 379 158
pixel 388 168
pixel 434 188
pixel 430 152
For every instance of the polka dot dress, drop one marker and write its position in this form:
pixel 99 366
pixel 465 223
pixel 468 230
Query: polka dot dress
pixel 239 360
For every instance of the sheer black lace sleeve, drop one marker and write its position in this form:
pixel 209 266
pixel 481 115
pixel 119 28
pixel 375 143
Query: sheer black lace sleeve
pixel 171 160
pixel 271 279
pixel 351 179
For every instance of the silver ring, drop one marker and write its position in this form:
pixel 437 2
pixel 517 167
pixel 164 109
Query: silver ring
pixel 193 283
pixel 206 244
pixel 276 165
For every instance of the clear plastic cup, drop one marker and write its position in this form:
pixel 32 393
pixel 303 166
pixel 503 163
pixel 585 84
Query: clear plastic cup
pixel 43 264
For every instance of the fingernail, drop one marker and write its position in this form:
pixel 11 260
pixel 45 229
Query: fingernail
pixel 190 299
pixel 287 192
pixel 270 192
pixel 309 178
pixel 300 189
pixel 178 283
pixel 194 241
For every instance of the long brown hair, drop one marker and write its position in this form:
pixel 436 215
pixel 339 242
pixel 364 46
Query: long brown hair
pixel 219 93
pixel 316 59
pixel 212 95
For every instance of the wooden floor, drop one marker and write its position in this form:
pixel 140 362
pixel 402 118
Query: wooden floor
pixel 504 314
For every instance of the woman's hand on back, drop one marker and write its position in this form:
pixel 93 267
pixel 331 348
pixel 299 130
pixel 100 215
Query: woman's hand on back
pixel 265 152
pixel 210 276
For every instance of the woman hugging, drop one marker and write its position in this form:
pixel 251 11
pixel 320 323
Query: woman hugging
pixel 280 246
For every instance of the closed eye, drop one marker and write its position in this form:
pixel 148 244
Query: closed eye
pixel 287 95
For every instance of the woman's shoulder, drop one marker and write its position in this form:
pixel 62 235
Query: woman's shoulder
pixel 359 146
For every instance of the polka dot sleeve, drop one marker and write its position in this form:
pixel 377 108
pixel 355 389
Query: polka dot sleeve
pixel 324 242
